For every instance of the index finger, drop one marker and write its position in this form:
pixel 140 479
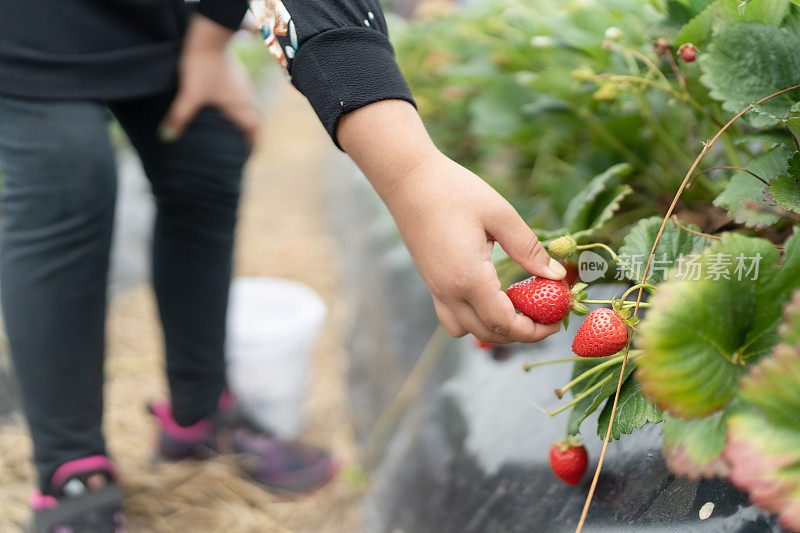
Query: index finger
pixel 497 313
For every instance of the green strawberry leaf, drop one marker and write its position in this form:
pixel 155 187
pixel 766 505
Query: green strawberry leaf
pixel 702 328
pixel 764 438
pixel 597 201
pixel 633 412
pixel 748 61
pixel 785 190
pixel 693 448
pixel 675 242
pixel 790 329
pixel 603 208
pixel 768 112
pixel 765 462
pixel 766 11
pixel 766 387
pixel 769 138
pixel 743 197
pixel 699 30
pixel 773 288
pixel 590 403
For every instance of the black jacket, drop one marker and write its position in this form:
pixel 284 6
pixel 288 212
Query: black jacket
pixel 336 51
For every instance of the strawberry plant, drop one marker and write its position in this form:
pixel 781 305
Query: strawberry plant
pixel 588 119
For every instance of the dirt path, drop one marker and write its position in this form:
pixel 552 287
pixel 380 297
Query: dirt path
pixel 282 233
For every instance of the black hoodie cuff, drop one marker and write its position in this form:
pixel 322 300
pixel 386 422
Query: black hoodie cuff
pixel 343 69
pixel 228 13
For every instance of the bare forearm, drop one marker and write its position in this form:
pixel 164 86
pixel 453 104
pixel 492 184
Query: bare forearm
pixel 204 35
pixel 388 142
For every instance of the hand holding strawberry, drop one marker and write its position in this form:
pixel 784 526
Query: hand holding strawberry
pixel 450 220
pixel 546 301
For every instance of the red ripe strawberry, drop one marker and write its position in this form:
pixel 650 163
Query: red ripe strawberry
pixel 602 333
pixel 545 301
pixel 572 273
pixel 482 344
pixel 688 52
pixel 568 459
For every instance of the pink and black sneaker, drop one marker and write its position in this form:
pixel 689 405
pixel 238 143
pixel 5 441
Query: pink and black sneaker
pixel 82 497
pixel 281 466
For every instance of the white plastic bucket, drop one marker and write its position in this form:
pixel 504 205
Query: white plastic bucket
pixel 272 326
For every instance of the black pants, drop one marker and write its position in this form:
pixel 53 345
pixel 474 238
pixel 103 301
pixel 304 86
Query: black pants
pixel 58 196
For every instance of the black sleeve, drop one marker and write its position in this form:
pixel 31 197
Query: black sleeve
pixel 337 53
pixel 229 13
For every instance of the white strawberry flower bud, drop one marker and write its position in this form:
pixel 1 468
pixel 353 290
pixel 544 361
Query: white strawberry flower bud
pixel 613 33
pixel 541 41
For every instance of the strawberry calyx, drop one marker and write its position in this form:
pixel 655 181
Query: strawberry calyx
pixel 570 441
pixel 624 313
pixel 578 296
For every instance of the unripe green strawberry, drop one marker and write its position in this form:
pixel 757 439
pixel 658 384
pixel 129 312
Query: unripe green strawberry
pixel 602 333
pixel 568 459
pixel 562 247
pixel 608 92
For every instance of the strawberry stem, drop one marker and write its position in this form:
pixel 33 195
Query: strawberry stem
pixel 726 167
pixel 613 254
pixel 647 286
pixel 611 302
pixel 582 395
pixel 595 369
pixel 528 366
pixel 677 221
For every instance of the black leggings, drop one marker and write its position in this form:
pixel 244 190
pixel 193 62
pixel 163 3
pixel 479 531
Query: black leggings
pixel 58 196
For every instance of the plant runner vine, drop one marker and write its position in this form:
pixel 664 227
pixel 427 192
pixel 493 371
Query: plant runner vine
pixel 706 147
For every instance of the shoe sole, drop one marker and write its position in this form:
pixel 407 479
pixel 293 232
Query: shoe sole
pixel 283 493
pixel 289 494
pixel 70 508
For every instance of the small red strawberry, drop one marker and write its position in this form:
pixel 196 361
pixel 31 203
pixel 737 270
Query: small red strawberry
pixel 688 52
pixel 483 345
pixel 602 333
pixel 568 459
pixel 572 273
pixel 545 301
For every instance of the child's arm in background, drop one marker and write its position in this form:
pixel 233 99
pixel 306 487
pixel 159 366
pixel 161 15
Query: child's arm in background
pixel 209 75
pixel 449 219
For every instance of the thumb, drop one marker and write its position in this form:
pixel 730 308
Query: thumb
pixel 521 244
pixel 183 109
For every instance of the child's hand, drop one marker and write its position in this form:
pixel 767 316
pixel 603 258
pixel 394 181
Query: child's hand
pixel 449 219
pixel 210 76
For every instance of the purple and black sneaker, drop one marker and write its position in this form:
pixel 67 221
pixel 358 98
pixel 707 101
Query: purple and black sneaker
pixel 281 466
pixel 82 497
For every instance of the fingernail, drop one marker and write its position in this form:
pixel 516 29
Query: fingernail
pixel 557 269
pixel 167 134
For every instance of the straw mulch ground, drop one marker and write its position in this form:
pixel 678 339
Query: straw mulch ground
pixel 282 233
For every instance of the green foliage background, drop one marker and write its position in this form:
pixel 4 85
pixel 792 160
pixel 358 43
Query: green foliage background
pixel 530 95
